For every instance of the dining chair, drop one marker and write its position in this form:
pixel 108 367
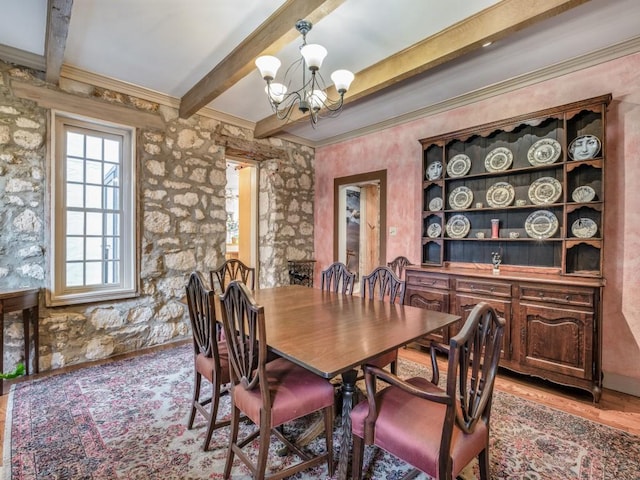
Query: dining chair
pixel 383 284
pixel 398 265
pixel 233 269
pixel 440 430
pixel 337 278
pixel 270 394
pixel 211 360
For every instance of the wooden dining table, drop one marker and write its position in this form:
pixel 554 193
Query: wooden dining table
pixel 333 334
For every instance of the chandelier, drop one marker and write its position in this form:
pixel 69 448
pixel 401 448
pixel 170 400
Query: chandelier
pixel 310 96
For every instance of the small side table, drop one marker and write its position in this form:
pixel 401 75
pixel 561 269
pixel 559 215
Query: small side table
pixel 25 299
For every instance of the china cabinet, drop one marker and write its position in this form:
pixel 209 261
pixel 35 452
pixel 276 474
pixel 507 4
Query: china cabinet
pixel 512 214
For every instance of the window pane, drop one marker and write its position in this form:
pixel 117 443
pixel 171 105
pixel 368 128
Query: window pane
pixel 75 144
pixel 75 248
pixel 94 147
pixel 110 248
pixel 112 224
pixel 94 172
pixel 111 200
pixel 112 151
pixel 94 273
pixel 94 223
pixel 114 271
pixel 111 175
pixel 75 223
pixel 75 170
pixel 74 274
pixel 75 195
pixel 94 196
pixel 94 248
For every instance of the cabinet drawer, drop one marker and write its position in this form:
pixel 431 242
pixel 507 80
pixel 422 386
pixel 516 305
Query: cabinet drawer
pixel 561 295
pixel 430 281
pixel 482 287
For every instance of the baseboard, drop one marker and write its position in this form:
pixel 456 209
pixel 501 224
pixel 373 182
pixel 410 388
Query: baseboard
pixel 621 383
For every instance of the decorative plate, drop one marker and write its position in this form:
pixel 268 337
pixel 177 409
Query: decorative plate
pixel 434 230
pixel 435 204
pixel 434 170
pixel 584 228
pixel 500 194
pixel 458 226
pixel 460 198
pixel 545 190
pixel 584 147
pixel 459 166
pixel 541 224
pixel 583 194
pixel 544 152
pixel 498 160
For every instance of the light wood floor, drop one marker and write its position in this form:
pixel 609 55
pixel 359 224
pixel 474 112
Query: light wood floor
pixel 615 409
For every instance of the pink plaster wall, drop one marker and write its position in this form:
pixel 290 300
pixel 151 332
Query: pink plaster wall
pixel 397 150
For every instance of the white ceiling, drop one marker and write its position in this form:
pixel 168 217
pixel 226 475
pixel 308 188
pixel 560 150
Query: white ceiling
pixel 166 46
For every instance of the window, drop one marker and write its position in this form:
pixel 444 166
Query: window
pixel 92 212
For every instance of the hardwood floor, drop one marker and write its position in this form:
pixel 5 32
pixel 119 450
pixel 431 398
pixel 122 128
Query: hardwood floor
pixel 615 409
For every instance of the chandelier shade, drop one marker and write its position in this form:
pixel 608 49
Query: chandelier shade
pixel 310 93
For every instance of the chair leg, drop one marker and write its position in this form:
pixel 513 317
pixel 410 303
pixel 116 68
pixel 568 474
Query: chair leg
pixel 233 439
pixel 263 451
pixel 483 460
pixel 213 414
pixel 196 397
pixel 328 431
pixel 358 457
pixel 394 367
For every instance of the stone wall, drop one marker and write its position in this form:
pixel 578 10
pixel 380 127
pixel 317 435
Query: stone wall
pixel 181 188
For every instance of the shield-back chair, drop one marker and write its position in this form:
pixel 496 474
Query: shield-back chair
pixel 436 430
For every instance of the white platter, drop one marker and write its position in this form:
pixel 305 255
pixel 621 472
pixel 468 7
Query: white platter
pixel 544 191
pixel 583 194
pixel 584 228
pixel 434 230
pixel 541 224
pixel 584 147
pixel 500 194
pixel 460 198
pixel 458 226
pixel 459 166
pixel 435 204
pixel 544 152
pixel 498 160
pixel 434 171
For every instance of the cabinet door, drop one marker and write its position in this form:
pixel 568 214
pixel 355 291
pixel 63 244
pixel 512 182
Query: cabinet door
pixel 557 339
pixel 464 305
pixel 436 300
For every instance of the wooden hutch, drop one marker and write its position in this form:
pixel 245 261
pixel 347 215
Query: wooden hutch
pixel 530 189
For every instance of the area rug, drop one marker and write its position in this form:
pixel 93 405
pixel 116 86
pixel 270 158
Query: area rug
pixel 127 420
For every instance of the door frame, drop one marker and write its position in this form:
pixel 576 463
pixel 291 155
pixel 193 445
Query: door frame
pixel 339 182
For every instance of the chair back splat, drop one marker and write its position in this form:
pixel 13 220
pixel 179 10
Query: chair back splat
pixel 233 269
pixel 383 284
pixel 210 354
pixel 269 393
pixel 398 265
pixel 443 429
pixel 337 278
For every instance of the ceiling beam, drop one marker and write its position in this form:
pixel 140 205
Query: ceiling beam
pixel 269 38
pixel 58 17
pixel 489 25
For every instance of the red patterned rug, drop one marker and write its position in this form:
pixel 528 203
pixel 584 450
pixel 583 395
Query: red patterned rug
pixel 127 420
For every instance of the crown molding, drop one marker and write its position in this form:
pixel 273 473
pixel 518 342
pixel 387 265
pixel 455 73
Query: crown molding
pixel 70 72
pixel 575 64
pixel 22 57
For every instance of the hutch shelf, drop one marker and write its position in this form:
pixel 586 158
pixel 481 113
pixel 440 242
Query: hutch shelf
pixel 512 214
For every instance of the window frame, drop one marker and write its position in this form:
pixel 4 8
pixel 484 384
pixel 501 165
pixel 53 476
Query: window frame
pixel 58 294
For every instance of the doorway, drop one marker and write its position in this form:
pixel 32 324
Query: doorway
pixel 241 196
pixel 360 221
